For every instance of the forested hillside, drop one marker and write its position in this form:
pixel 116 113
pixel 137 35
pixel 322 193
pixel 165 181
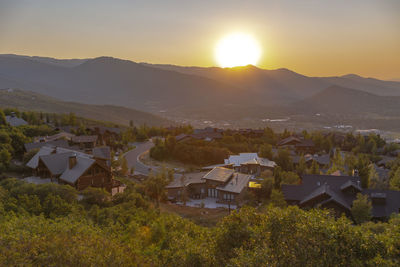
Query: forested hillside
pixel 45 225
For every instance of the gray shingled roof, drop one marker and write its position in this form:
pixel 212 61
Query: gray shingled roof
pixel 190 178
pixel 82 165
pixel 31 146
pixel 84 139
pixel 237 183
pixel 313 185
pixel 102 152
pixel 15 121
pixel 219 174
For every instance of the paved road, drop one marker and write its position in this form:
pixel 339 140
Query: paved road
pixel 132 157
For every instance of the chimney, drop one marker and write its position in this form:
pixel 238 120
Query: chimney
pixel 72 161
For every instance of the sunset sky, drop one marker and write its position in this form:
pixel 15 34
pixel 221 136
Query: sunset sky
pixel 312 37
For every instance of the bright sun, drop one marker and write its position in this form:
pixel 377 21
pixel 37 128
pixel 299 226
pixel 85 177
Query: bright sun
pixel 237 49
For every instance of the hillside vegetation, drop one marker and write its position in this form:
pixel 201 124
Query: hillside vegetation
pixel 25 100
pixel 45 225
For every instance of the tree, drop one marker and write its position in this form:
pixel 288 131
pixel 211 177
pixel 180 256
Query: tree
pixel 3 120
pixel 302 166
pixel 266 151
pixel 373 179
pixel 361 209
pixel 314 169
pixel 284 160
pixel 156 183
pixel 267 185
pixel 277 198
pixel 124 166
pixel 290 178
pixel 395 180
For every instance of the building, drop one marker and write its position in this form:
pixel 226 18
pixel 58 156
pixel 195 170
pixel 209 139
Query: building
pixel 85 142
pixel 249 163
pixel 37 145
pixel 14 121
pixel 75 168
pixel 222 184
pixel 302 146
pixel 106 135
pixel 338 193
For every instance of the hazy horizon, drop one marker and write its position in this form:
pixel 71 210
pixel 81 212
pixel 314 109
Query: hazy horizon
pixel 314 38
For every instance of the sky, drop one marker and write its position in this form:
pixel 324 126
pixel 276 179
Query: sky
pixel 311 37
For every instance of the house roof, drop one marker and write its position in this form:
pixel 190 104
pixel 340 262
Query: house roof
pixel 219 174
pixel 248 158
pixel 60 135
pixel 103 152
pixel 49 149
pixel 15 121
pixel 237 183
pixel 70 175
pixel 190 178
pixel 84 139
pixel 306 143
pixel 57 163
pixel 288 140
pixel 334 187
pixel 35 145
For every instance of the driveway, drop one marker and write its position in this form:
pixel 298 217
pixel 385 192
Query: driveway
pixel 132 157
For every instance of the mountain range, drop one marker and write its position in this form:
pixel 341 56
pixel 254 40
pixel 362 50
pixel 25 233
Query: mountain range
pixel 197 92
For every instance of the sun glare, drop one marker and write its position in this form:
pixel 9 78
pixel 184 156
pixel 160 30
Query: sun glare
pixel 237 49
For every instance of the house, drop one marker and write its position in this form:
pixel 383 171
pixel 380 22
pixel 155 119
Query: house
pixel 385 161
pixel 58 136
pixel 323 160
pixel 338 193
pixel 249 163
pixel 85 142
pixel 37 145
pixel 300 145
pixel 222 184
pixel 106 135
pixel 74 168
pixel 289 141
pixel 14 121
pixel 305 146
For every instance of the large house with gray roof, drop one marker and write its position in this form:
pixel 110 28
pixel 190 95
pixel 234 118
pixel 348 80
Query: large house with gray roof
pixel 14 121
pixel 75 168
pixel 338 193
pixel 223 184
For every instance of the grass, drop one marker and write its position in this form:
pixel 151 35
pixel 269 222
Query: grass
pixel 146 159
pixel 201 216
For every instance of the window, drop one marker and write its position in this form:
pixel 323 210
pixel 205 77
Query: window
pixel 229 197
pixel 212 192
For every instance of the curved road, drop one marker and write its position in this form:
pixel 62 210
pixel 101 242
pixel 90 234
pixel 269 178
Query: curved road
pixel 132 157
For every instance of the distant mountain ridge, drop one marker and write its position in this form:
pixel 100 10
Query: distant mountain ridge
pixel 190 91
pixel 340 100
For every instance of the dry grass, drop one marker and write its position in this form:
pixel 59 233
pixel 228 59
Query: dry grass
pixel 201 216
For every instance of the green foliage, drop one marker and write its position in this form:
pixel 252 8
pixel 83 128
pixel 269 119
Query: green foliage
pixel 266 151
pixel 361 209
pixel 289 178
pixel 46 225
pixel 156 182
pixel 284 160
pixel 277 198
pixel 395 180
pixel 314 169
